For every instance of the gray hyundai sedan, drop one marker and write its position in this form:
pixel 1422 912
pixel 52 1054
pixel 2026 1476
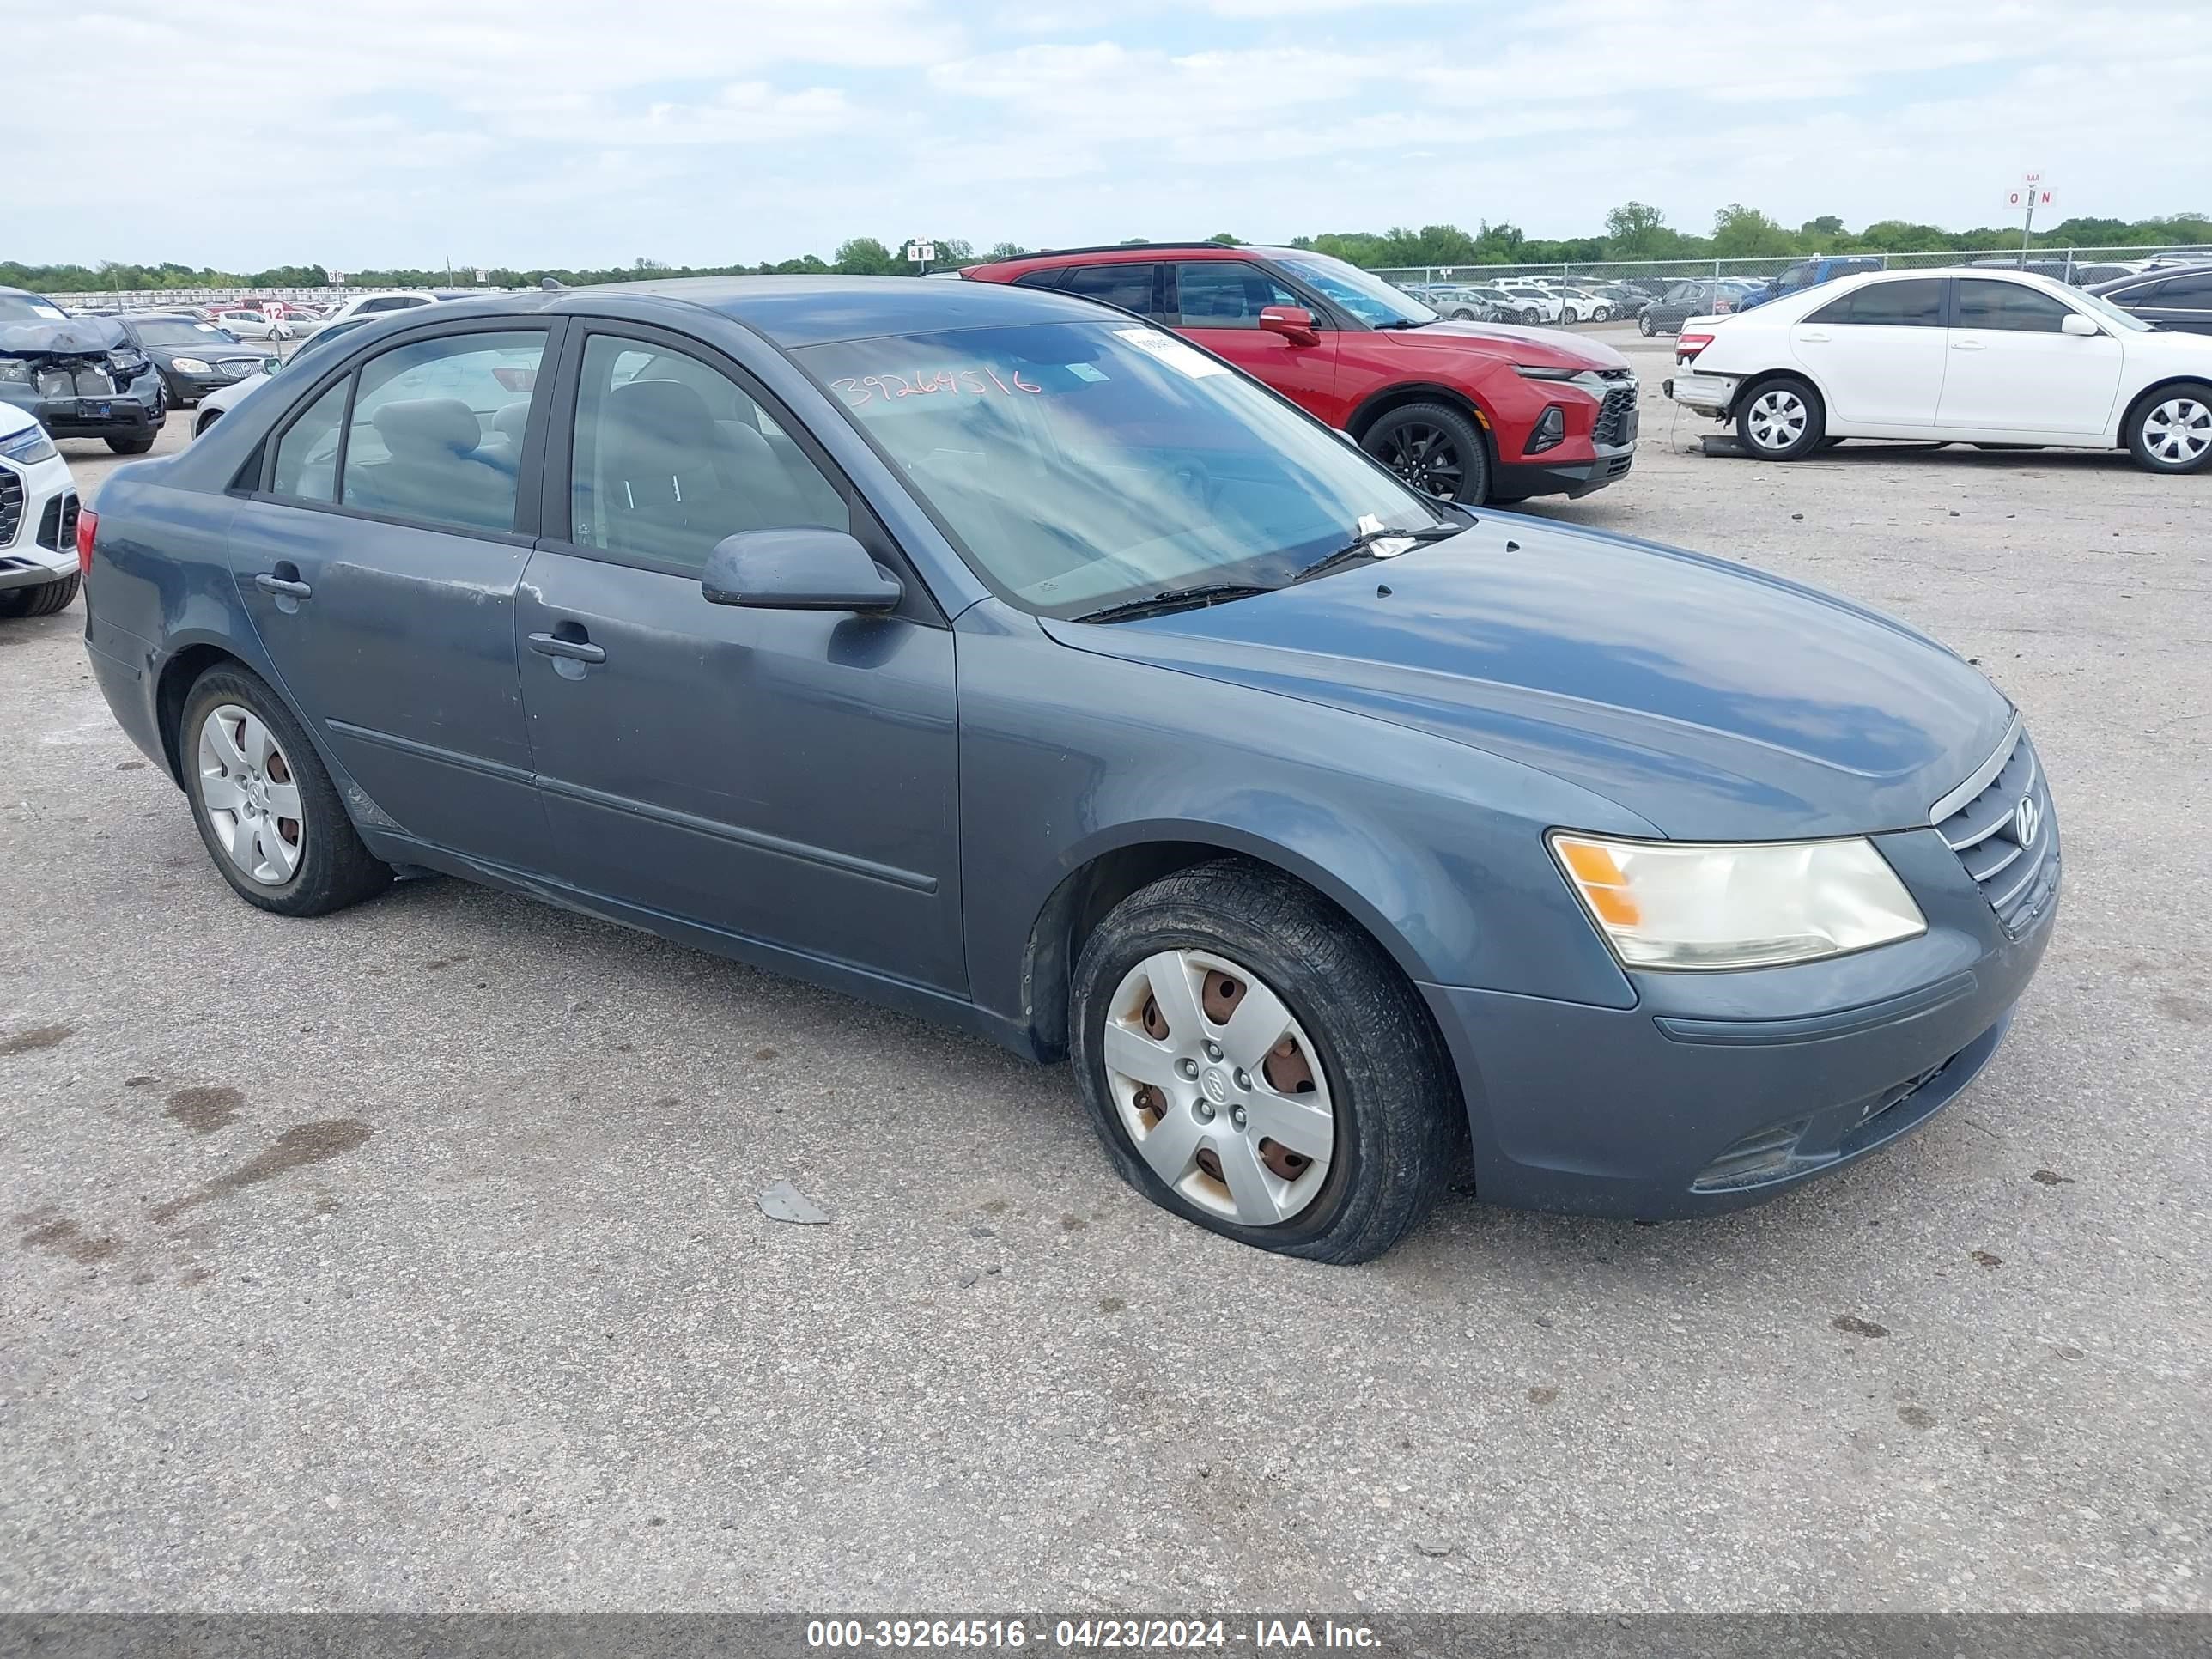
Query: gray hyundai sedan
pixel 994 655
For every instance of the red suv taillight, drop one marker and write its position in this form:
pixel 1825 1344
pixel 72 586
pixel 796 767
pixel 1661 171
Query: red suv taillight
pixel 87 521
pixel 1689 345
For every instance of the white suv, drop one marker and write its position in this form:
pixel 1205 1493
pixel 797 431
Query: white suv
pixel 38 519
pixel 1972 356
pixel 364 304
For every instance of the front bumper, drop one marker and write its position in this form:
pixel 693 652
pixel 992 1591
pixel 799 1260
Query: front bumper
pixel 38 523
pixel 1720 1091
pixel 1518 480
pixel 131 414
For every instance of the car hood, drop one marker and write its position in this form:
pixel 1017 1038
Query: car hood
pixel 1539 348
pixel 1712 701
pixel 77 337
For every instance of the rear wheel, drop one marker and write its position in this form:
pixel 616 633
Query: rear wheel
pixel 271 819
pixel 131 446
pixel 2171 430
pixel 1253 1062
pixel 1435 448
pixel 1780 419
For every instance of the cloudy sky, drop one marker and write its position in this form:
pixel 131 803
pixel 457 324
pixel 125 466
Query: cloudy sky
pixel 583 133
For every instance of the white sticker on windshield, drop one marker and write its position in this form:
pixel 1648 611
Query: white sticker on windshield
pixel 1172 352
pixel 54 312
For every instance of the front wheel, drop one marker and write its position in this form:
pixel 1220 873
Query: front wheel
pixel 1529 319
pixel 1780 419
pixel 1645 326
pixel 1253 1062
pixel 42 600
pixel 1602 314
pixel 131 446
pixel 271 819
pixel 2171 430
pixel 1436 449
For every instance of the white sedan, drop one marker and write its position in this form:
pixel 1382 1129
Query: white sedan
pixel 1970 356
pixel 250 324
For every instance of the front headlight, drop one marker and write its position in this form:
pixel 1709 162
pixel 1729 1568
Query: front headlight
pixel 15 368
pixel 1677 904
pixel 27 446
pixel 189 366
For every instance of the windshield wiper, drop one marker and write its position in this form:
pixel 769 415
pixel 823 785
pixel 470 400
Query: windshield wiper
pixel 1362 547
pixel 1173 599
pixel 1406 322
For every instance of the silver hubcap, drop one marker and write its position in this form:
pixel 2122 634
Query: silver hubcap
pixel 1777 419
pixel 251 796
pixel 1220 1087
pixel 2178 429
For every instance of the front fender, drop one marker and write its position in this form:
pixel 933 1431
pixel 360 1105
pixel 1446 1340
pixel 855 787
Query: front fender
pixel 1068 758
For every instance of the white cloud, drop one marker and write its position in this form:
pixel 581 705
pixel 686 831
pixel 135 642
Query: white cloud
pixel 559 131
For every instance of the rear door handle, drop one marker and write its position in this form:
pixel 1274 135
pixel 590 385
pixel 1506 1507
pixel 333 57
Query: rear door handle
pixel 273 584
pixel 1969 345
pixel 1808 334
pixel 552 645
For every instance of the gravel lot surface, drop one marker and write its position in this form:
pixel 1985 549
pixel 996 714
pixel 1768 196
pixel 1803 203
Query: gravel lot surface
pixel 410 1258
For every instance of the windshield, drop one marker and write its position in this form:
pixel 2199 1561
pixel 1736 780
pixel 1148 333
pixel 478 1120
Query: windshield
pixel 29 308
pixel 2110 312
pixel 1079 464
pixel 180 330
pixel 1366 296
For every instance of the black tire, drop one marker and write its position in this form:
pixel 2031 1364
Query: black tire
pixel 1780 407
pixel 2152 444
pixel 1453 462
pixel 131 446
pixel 42 600
pixel 1530 319
pixel 1602 314
pixel 335 870
pixel 1830 443
pixel 1398 1125
pixel 1644 326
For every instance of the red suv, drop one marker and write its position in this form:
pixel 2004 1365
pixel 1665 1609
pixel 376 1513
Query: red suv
pixel 1471 411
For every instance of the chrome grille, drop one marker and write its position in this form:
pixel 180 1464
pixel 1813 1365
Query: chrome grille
pixel 2004 834
pixel 11 506
pixel 239 367
pixel 1614 416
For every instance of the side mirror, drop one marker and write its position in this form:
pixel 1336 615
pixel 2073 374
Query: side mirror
pixel 808 569
pixel 1294 323
pixel 2074 322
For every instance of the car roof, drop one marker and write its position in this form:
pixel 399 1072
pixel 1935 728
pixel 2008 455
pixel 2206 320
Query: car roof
pixel 803 311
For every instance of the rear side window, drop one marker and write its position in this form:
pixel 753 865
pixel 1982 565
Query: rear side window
pixel 2188 293
pixel 1047 278
pixel 1129 286
pixel 308 454
pixel 437 428
pixel 671 455
pixel 2010 306
pixel 2142 294
pixel 1917 304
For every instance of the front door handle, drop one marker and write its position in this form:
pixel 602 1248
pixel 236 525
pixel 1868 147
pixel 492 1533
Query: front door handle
pixel 1969 345
pixel 552 645
pixel 270 583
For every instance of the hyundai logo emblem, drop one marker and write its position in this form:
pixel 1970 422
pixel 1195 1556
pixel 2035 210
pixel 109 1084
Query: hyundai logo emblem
pixel 2028 821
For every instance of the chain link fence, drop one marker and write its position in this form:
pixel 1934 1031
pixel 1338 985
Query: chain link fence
pixel 2080 266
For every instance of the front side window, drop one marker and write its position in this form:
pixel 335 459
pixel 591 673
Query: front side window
pixel 1129 286
pixel 670 455
pixel 1082 463
pixel 2012 307
pixel 1365 296
pixel 1227 293
pixel 437 428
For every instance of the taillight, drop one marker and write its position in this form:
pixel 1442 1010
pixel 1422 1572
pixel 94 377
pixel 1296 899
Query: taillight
pixel 1689 345
pixel 87 521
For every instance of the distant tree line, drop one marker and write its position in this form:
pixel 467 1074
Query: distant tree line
pixel 1634 230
